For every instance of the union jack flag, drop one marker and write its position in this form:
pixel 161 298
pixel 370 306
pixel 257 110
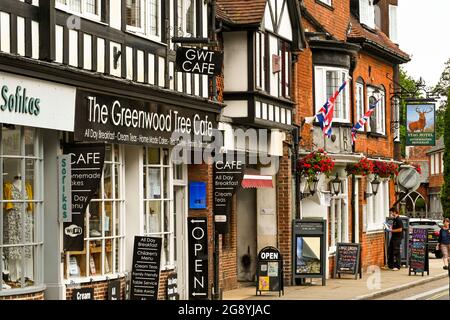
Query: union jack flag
pixel 325 114
pixel 360 124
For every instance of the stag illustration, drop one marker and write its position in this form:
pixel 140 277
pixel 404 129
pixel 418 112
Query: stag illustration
pixel 420 124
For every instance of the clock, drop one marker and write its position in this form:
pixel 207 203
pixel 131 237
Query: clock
pixel 409 179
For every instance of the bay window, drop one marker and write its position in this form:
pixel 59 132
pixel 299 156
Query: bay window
pixel 86 8
pixel 327 82
pixel 186 17
pixel 143 17
pixel 103 252
pixel 21 208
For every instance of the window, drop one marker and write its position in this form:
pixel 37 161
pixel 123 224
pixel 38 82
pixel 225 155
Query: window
pixel 158 220
pixel 360 109
pixel 21 207
pixel 367 13
pixel 260 52
pixel 339 218
pixel 377 206
pixel 393 31
pixel 284 75
pixel 442 162
pixel 143 17
pixel 433 171
pixel 327 2
pixel 327 82
pixel 436 163
pixel 186 18
pixel 377 121
pixel 104 243
pixel 87 8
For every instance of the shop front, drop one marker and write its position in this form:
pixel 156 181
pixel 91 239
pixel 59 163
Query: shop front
pixel 142 191
pixel 32 113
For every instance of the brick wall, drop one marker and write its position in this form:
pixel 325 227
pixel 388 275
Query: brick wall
pixel 436 181
pixel 372 249
pixel 284 213
pixel 228 258
pixel 100 289
pixel 28 296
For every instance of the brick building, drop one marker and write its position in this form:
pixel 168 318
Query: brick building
pixel 435 159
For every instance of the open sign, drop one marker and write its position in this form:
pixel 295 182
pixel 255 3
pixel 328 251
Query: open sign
pixel 200 61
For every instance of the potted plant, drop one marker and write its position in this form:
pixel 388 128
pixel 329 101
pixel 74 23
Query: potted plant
pixel 362 168
pixel 315 163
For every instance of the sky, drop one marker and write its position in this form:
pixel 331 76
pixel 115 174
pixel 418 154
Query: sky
pixel 424 30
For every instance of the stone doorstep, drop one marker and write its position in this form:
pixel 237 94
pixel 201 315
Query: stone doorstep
pixel 404 286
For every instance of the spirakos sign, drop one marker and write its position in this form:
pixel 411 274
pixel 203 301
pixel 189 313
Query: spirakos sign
pixel 115 119
pixel 36 103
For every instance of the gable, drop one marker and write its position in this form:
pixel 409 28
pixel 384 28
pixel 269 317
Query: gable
pixel 277 18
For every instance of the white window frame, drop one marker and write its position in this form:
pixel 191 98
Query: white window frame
pixel 327 2
pixel 321 97
pixel 183 28
pixel 116 202
pixel 167 263
pixel 83 13
pixel 442 162
pixel 380 110
pixel 393 24
pixel 367 13
pixel 339 217
pixel 436 163
pixel 433 171
pixel 260 55
pixel 38 207
pixel 377 206
pixel 360 103
pixel 144 30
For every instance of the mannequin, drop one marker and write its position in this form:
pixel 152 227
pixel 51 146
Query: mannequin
pixel 13 226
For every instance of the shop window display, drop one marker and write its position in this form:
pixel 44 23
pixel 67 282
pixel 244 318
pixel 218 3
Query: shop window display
pixel 158 220
pixel 104 239
pixel 20 207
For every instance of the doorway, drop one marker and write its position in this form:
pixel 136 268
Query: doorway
pixel 246 234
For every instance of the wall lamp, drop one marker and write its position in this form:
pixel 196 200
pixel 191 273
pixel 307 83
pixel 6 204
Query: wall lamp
pixel 375 185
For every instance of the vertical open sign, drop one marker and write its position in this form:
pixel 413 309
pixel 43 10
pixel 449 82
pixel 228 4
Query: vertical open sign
pixel 198 258
pixel 200 61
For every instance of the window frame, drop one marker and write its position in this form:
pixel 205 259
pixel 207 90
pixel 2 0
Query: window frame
pixel 327 2
pixel 339 218
pixel 432 165
pixel 260 60
pixel 144 30
pixel 37 244
pixel 183 30
pixel 116 202
pixel 320 97
pixel 381 106
pixel 82 13
pixel 360 103
pixel 377 210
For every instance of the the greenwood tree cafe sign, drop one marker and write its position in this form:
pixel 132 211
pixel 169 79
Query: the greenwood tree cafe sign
pixel 115 119
pixel 200 61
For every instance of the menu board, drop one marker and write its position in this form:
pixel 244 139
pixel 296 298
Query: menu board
pixel 269 271
pixel 347 258
pixel 145 269
pixel 418 256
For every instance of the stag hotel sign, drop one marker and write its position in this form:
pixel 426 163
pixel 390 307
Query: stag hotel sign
pixel 420 124
pixel 115 119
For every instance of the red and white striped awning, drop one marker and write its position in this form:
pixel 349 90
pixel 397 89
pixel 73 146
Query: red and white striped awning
pixel 257 181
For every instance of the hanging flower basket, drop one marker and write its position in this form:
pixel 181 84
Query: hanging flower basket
pixel 418 168
pixel 363 168
pixel 314 164
pixel 385 169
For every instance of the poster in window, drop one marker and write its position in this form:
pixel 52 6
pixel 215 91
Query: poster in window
pixel 420 125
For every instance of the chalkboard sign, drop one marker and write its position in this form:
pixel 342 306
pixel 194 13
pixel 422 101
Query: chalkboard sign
pixel 269 273
pixel 145 269
pixel 348 259
pixel 172 287
pixel 418 259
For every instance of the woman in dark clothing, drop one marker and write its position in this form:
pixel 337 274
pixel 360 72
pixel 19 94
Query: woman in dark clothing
pixel 444 242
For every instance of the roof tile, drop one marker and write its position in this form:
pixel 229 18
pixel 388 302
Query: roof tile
pixel 241 11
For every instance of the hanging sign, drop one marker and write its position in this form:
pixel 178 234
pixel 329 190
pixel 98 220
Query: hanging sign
pixel 420 125
pixel 86 171
pixel 145 268
pixel 65 188
pixel 200 61
pixel 115 119
pixel 198 258
pixel 227 176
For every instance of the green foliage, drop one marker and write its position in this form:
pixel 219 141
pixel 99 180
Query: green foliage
pixel 420 204
pixel 445 191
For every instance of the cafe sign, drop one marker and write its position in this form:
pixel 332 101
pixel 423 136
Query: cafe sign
pixel 114 119
pixel 200 61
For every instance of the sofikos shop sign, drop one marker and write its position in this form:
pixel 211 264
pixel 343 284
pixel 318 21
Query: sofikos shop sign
pixel 111 119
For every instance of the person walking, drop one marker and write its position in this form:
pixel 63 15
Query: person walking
pixel 394 257
pixel 444 241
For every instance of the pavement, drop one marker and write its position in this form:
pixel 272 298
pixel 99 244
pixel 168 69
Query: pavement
pixel 371 286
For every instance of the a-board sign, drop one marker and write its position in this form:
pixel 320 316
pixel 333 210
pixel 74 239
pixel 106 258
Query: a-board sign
pixel 227 177
pixel 198 258
pixel 418 259
pixel 86 172
pixel 269 273
pixel 348 259
pixel 114 290
pixel 83 294
pixel 172 287
pixel 145 268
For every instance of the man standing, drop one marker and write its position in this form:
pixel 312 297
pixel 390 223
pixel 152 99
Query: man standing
pixel 394 257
